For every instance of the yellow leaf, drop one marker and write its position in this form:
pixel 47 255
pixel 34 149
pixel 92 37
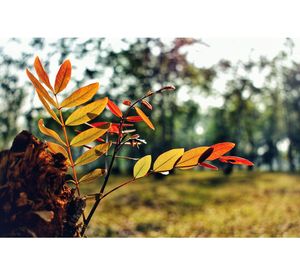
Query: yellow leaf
pixel 56 148
pixel 48 108
pixel 191 157
pixel 42 90
pixel 144 117
pixel 81 95
pixel 142 167
pixel 48 132
pixel 87 112
pixel 63 76
pixel 92 176
pixel 89 135
pixel 42 73
pixel 92 154
pixel 167 160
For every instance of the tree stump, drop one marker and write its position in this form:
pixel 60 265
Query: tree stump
pixel 35 200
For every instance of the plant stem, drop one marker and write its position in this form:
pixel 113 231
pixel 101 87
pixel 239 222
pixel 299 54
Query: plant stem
pixel 68 148
pixel 98 196
pixel 116 149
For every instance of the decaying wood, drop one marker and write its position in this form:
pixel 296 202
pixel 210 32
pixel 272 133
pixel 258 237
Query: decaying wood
pixel 35 200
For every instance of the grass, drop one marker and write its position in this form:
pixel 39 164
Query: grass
pixel 201 204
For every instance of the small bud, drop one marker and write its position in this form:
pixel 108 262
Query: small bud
pixel 127 102
pixel 147 104
pixel 169 88
pixel 166 88
pixel 149 93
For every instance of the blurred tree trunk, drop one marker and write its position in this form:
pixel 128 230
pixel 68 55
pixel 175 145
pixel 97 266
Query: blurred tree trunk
pixel 291 158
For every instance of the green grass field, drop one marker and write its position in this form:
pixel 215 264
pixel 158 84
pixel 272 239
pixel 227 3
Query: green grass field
pixel 201 204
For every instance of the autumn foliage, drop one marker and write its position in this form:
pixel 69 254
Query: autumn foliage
pixel 110 137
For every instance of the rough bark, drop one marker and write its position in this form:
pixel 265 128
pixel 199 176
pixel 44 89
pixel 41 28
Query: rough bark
pixel 35 200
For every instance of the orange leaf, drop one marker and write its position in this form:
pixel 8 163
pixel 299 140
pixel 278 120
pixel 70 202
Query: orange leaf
pixel 38 86
pixel 63 76
pixel 114 108
pixel 220 149
pixel 42 73
pixel 134 119
pixel 191 157
pixel 236 160
pixel 208 165
pixel 80 96
pixel 144 117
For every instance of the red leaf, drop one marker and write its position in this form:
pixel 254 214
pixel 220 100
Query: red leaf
pixel 220 149
pixel 134 119
pixel 236 160
pixel 100 139
pixel 114 108
pixel 98 124
pixel 127 102
pixel 114 129
pixel 208 165
pixel 147 104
